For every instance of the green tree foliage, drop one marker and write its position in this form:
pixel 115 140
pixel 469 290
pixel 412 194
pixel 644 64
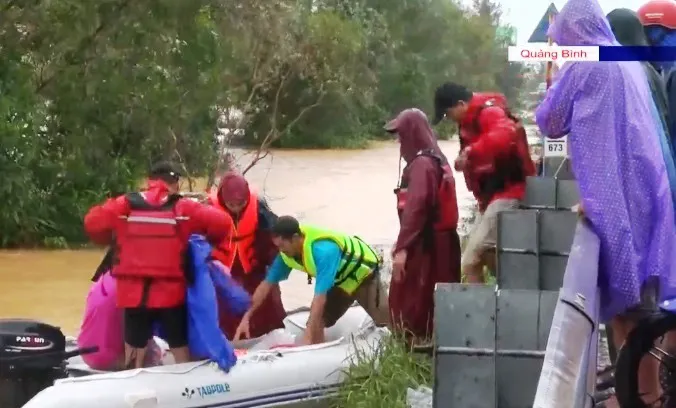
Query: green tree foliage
pixel 91 93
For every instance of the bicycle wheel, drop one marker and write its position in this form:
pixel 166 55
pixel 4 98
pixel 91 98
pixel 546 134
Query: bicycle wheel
pixel 612 351
pixel 641 342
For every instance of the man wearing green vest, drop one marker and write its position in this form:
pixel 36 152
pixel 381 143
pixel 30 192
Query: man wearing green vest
pixel 344 267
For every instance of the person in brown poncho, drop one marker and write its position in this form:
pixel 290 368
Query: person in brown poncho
pixel 427 250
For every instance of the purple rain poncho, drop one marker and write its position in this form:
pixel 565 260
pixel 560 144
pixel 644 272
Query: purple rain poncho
pixel 606 109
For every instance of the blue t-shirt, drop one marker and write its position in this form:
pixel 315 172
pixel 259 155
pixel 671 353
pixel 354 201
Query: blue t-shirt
pixel 327 256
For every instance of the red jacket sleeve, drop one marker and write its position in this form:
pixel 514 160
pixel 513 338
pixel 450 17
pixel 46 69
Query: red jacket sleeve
pixel 209 221
pixel 423 182
pixel 100 221
pixel 497 137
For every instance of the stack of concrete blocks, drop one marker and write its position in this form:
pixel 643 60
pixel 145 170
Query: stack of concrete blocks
pixel 490 340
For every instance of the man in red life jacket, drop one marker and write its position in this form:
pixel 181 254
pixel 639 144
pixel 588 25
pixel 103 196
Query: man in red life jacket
pixel 428 248
pixel 149 231
pixel 248 252
pixel 495 160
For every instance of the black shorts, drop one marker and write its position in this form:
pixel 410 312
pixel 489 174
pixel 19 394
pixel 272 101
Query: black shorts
pixel 139 323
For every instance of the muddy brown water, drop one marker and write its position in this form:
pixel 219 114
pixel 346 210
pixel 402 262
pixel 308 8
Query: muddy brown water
pixel 350 191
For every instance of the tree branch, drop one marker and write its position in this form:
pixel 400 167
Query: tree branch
pixel 273 134
pixel 224 156
pixel 191 183
pixel 85 43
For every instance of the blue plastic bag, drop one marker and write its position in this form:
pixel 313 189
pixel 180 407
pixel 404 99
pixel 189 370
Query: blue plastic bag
pixel 235 297
pixel 205 338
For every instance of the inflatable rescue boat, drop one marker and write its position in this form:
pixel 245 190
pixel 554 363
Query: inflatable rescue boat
pixel 271 371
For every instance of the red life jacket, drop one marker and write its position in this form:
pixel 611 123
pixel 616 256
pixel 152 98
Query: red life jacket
pixel 149 242
pixel 446 207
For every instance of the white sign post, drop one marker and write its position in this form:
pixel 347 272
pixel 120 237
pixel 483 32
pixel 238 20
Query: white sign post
pixel 556 147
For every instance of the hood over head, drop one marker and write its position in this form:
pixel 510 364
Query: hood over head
pixel 581 22
pixel 627 27
pixel 233 188
pixel 415 134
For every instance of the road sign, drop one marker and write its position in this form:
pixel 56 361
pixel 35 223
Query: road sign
pixel 556 147
pixel 540 33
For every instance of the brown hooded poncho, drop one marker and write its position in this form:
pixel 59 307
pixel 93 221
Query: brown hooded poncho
pixel 432 256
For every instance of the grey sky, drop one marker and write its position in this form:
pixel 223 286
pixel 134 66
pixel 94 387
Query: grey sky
pixel 525 14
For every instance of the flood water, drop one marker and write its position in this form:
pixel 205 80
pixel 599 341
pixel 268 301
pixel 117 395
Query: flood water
pixel 349 191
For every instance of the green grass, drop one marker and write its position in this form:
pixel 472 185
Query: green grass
pixel 382 380
pixel 489 278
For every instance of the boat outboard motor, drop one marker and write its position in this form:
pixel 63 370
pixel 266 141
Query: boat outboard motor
pixel 32 356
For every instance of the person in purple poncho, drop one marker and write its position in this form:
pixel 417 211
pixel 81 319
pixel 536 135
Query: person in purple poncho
pixel 607 111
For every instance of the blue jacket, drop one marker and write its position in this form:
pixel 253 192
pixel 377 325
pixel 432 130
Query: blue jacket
pixel 205 338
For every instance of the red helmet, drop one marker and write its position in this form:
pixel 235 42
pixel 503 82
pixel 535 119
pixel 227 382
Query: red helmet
pixel 658 12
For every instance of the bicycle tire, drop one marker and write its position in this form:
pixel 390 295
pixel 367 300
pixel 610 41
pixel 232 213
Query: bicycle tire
pixel 612 350
pixel 639 343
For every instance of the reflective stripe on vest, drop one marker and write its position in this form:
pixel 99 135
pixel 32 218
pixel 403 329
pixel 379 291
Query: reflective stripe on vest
pixel 358 261
pixel 240 243
pixel 149 240
pixel 154 220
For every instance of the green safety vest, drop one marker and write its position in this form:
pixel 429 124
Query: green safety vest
pixel 358 259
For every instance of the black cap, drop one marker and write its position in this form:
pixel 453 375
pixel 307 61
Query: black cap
pixel 286 227
pixel 166 171
pixel 447 96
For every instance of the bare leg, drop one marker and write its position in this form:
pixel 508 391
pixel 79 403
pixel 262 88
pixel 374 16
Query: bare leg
pixel 134 357
pixel 372 296
pixel 181 354
pixel 490 260
pixel 474 273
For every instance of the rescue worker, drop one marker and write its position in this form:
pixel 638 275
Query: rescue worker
pixel 345 268
pixel 659 21
pixel 248 252
pixel 427 250
pixel 495 160
pixel 150 231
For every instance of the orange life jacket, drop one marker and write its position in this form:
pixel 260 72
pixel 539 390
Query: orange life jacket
pixel 240 242
pixel 148 240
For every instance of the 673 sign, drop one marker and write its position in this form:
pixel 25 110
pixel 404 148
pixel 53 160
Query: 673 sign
pixel 556 147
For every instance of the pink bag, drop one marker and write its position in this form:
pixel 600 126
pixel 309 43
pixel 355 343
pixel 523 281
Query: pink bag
pixel 102 326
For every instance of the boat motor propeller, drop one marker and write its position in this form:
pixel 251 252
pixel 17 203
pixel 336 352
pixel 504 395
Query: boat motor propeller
pixel 32 356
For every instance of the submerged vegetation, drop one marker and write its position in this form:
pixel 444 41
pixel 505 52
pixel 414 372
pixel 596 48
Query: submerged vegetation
pixel 381 381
